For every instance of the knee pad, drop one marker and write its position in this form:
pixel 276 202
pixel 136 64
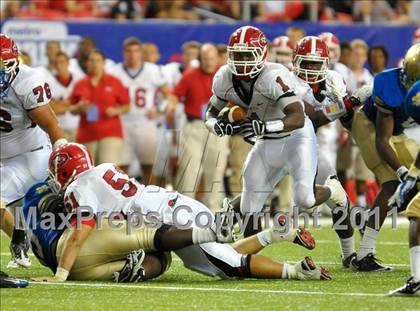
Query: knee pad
pixel 304 196
pixel 157 241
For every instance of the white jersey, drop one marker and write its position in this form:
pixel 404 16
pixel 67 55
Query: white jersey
pixel 268 95
pixel 105 190
pixel 67 121
pixel 356 82
pixel 172 73
pixel 342 69
pixel 19 134
pixel 142 89
pixel 331 109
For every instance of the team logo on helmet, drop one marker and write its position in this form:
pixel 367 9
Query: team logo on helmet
pixel 416 99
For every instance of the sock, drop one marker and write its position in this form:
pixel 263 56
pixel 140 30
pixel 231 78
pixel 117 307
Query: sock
pixel 202 235
pixel 347 247
pixel 277 236
pixel 18 236
pixel 285 272
pixel 415 263
pixel 264 237
pixel 368 243
pixel 361 200
pixel 291 272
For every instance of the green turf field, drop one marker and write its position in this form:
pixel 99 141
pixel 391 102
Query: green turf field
pixel 181 289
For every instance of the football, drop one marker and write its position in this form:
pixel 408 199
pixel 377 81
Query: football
pixel 233 113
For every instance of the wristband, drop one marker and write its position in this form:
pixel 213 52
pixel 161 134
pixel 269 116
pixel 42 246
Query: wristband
pixel 61 274
pixel 401 172
pixel 274 126
pixel 210 123
pixel 59 142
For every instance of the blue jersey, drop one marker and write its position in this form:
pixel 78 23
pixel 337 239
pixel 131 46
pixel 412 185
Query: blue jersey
pixel 388 95
pixel 43 241
pixel 412 102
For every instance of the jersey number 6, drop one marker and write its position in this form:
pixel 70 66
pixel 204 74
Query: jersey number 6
pixel 119 183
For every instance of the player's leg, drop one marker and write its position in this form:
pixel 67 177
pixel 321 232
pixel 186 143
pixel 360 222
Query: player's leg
pixel 239 149
pixel 7 221
pixel 259 180
pixel 412 287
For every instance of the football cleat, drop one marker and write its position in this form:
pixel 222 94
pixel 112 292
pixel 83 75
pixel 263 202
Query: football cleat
pixel 369 263
pixel 307 270
pixel 133 270
pixel 19 252
pixel 410 289
pixel 9 282
pixel 304 238
pixel 223 234
pixel 338 194
pixel 347 261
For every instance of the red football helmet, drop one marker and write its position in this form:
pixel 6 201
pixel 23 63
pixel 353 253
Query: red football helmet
pixel 247 51
pixel 310 59
pixel 67 162
pixel 281 51
pixel 333 44
pixel 9 61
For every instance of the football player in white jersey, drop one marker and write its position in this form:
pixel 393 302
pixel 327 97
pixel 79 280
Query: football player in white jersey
pixel 281 51
pixel 61 85
pixel 143 80
pixel 333 44
pixel 105 190
pixel 285 138
pixel 25 120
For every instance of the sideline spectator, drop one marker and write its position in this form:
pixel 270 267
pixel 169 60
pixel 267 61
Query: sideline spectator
pixel 150 52
pixel 345 53
pixel 78 64
pixel 203 155
pixel 178 9
pixel 222 53
pixel 61 85
pixel 126 9
pixel 295 34
pixel 377 59
pixel 100 100
pixel 359 75
pixel 143 80
pixel 51 49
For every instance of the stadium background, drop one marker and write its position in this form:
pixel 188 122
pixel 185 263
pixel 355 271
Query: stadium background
pixel 354 291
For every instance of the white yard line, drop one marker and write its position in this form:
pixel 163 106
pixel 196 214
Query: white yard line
pixel 211 289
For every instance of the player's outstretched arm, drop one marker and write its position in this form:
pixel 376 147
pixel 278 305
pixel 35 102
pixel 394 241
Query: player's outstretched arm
pixel 69 254
pixel 45 117
pixel 295 117
pixel 384 129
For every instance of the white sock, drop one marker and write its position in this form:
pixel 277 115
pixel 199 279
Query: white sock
pixel 361 200
pixel 415 263
pixel 285 272
pixel 264 237
pixel 291 271
pixel 347 246
pixel 202 235
pixel 277 236
pixel 368 243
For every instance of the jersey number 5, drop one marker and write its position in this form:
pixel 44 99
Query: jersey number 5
pixel 120 183
pixel 39 91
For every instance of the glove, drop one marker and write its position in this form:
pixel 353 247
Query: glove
pixel 252 127
pixel 401 194
pixel 222 128
pixel 402 172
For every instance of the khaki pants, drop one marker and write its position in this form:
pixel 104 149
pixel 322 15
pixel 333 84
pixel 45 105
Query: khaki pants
pixel 363 131
pixel 105 250
pixel 106 150
pixel 203 155
pixel 413 209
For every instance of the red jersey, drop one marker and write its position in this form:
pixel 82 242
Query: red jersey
pixel 194 89
pixel 108 93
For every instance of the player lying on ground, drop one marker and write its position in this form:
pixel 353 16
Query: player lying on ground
pixel 27 126
pixel 412 287
pixel 105 190
pixel 285 138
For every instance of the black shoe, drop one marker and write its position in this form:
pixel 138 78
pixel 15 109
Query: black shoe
pixel 346 261
pixel 19 253
pixel 9 282
pixel 368 264
pixel 133 270
pixel 409 289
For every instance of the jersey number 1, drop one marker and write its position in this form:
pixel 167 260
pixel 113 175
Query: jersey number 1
pixel 283 85
pixel 119 183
